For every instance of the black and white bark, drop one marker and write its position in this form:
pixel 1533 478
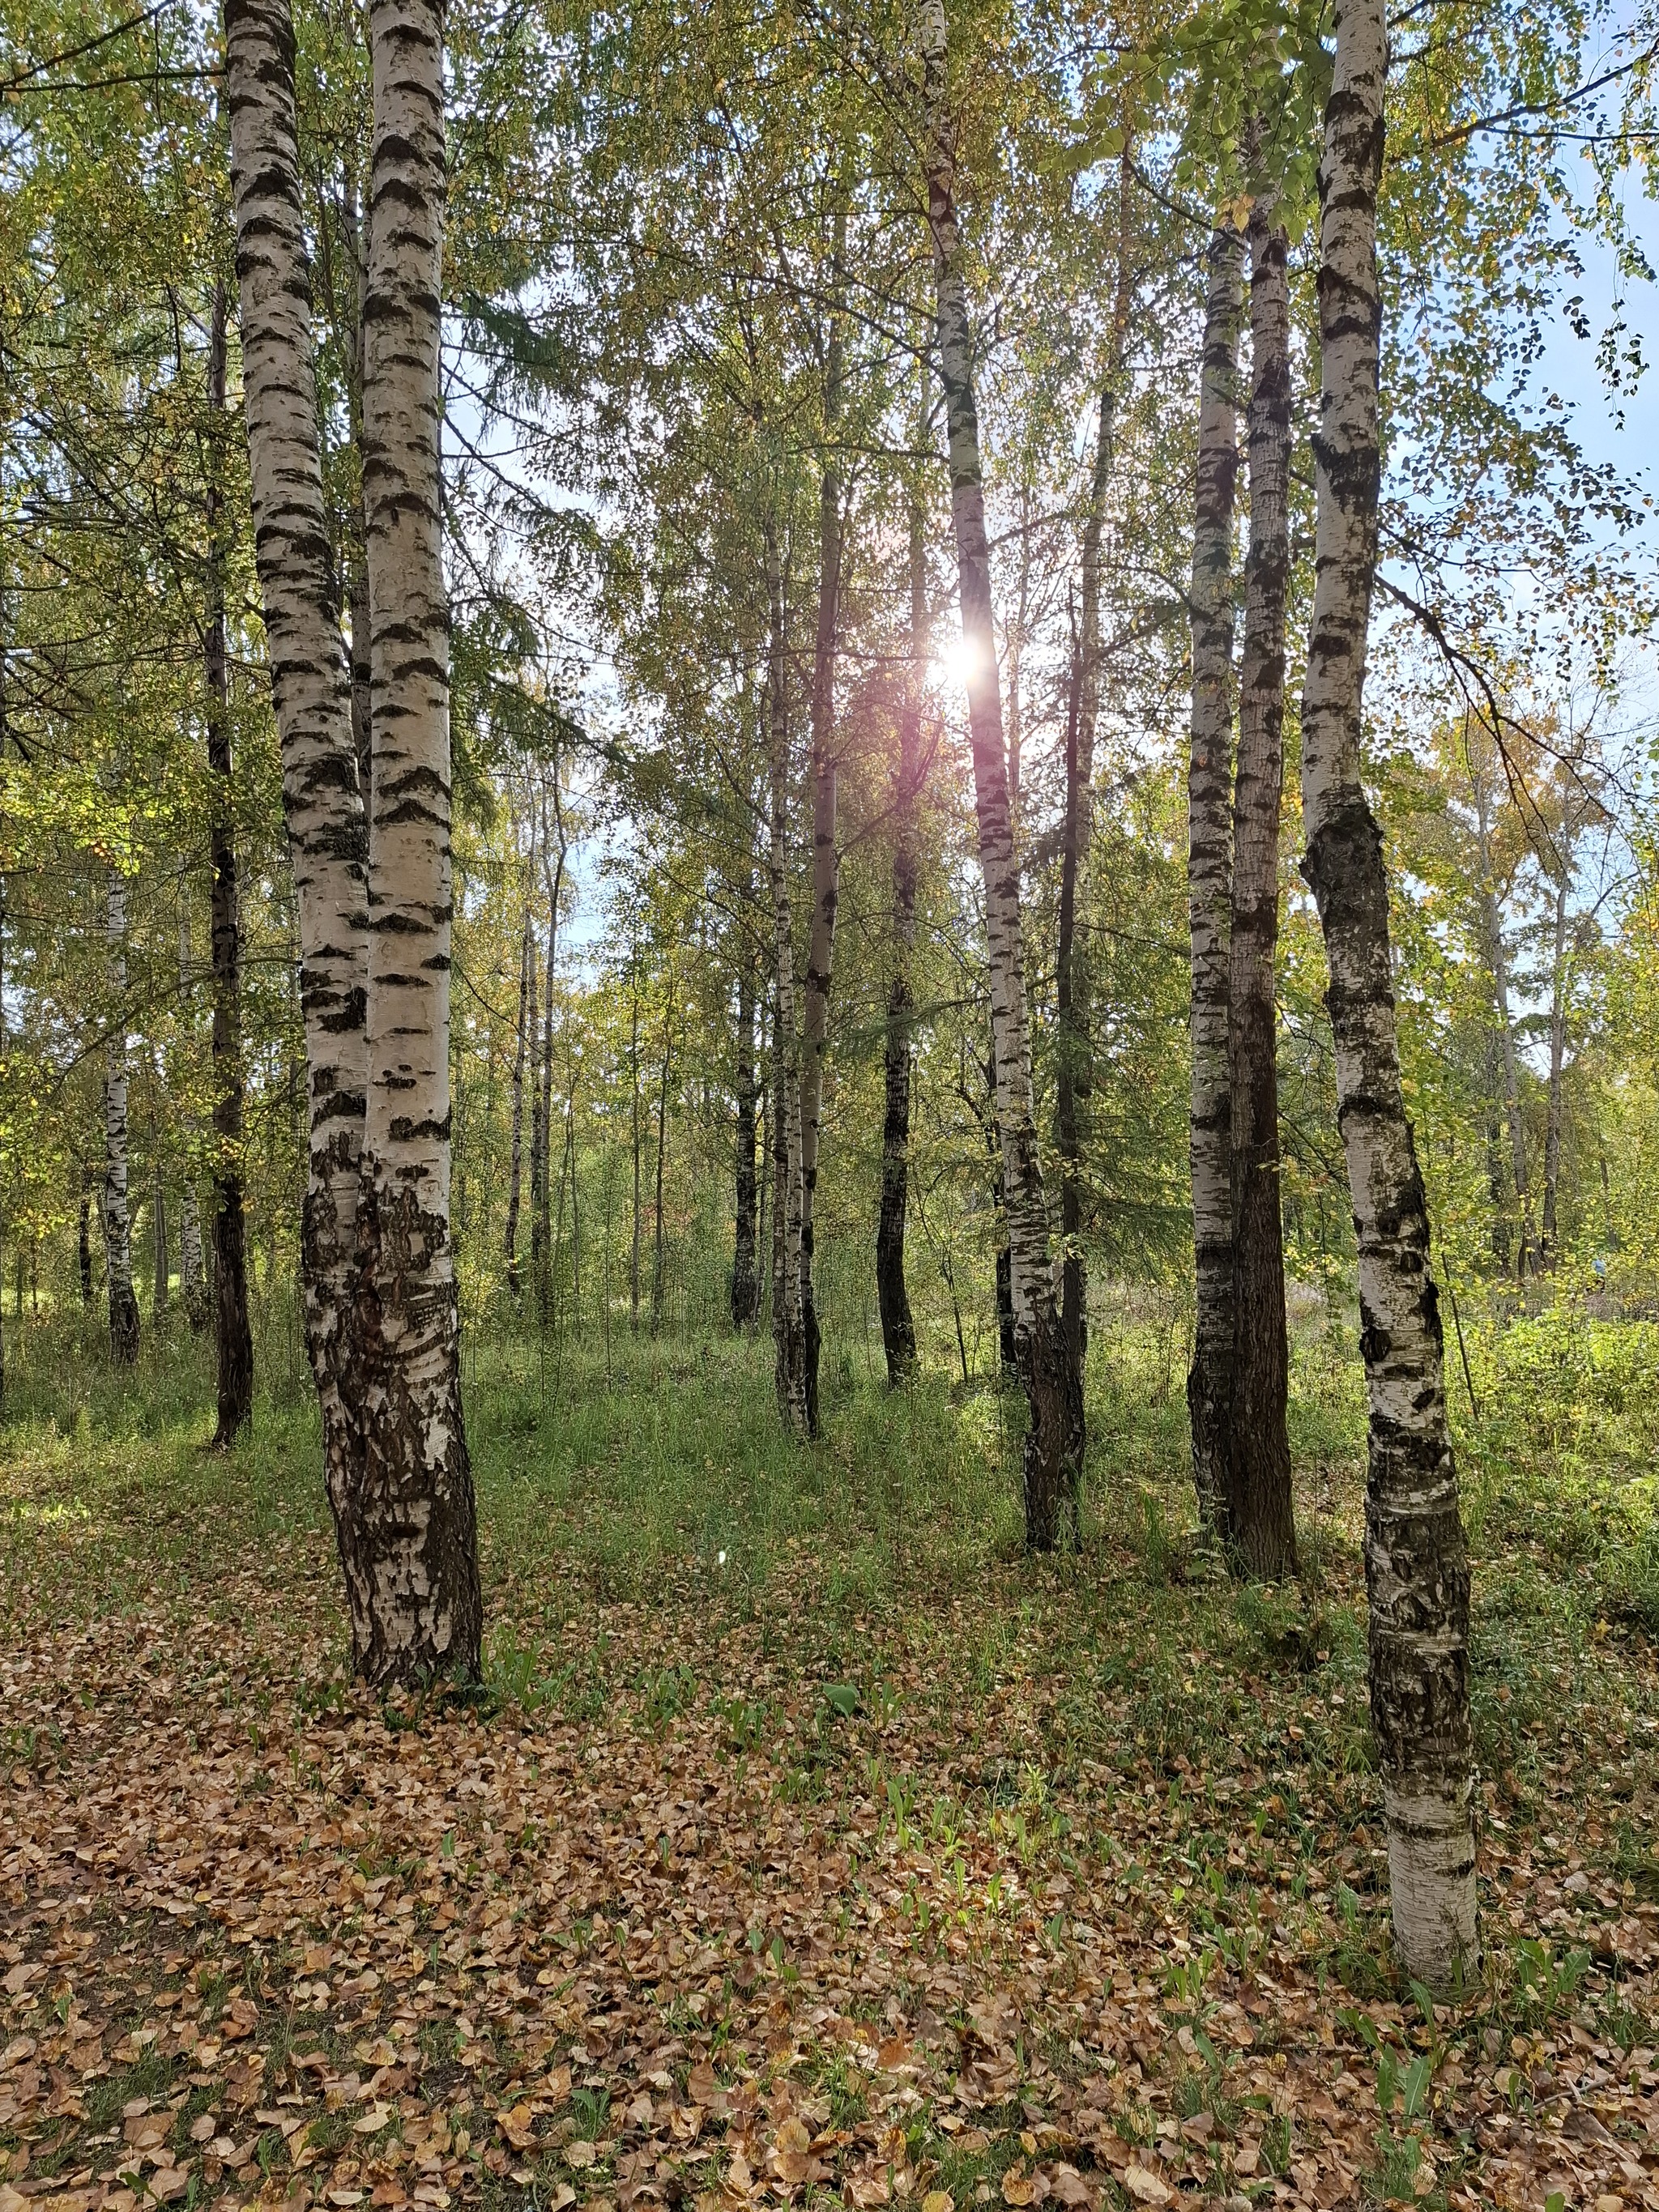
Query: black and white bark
pixel 1492 932
pixel 515 1156
pixel 418 1606
pixel 1050 1476
pixel 118 1225
pixel 1209 874
pixel 1417 1572
pixel 555 850
pixel 1259 1516
pixel 232 1330
pixel 826 867
pixel 745 1285
pixel 898 1328
pixel 322 802
pixel 788 1320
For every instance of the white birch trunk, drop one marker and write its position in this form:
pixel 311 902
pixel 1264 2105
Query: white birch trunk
pixel 789 1322
pixel 1260 1517
pixel 117 1222
pixel 1050 1476
pixel 1209 876
pixel 515 1169
pixel 1416 1564
pixel 192 1272
pixel 419 1607
pixel 322 804
pixel 826 873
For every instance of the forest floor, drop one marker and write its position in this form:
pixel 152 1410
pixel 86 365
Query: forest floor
pixel 811 1842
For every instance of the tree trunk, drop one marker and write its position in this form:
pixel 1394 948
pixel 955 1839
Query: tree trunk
pixel 1209 873
pixel 1547 1239
pixel 1051 1476
pixel 192 1273
pixel 1074 1076
pixel 322 801
pixel 83 1242
pixel 415 1567
pixel 1260 1517
pixel 1492 931
pixel 356 559
pixel 1417 1569
pixel 117 1227
pixel 657 1253
pixel 634 1071
pixel 540 1135
pixel 898 1328
pixel 745 1288
pixel 160 1281
pixel 554 884
pixel 515 1168
pixel 826 870
pixel 232 1334
pixel 1070 1047
pixel 788 1320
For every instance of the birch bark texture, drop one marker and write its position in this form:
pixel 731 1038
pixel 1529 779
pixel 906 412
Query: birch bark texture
pixel 117 1219
pixel 826 867
pixel 1209 875
pixel 515 1157
pixel 898 1328
pixel 1261 1522
pixel 745 1287
pixel 788 1323
pixel 379 1287
pixel 232 1331
pixel 417 1559
pixel 1051 1475
pixel 192 1271
pixel 322 804
pixel 1417 1569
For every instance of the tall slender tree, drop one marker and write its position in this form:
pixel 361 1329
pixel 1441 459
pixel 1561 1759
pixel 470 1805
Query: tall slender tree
pixel 1209 873
pixel 1261 1528
pixel 1050 1475
pixel 898 1328
pixel 826 851
pixel 789 1322
pixel 232 1333
pixel 117 1222
pixel 745 1286
pixel 376 1264
pixel 515 1157
pixel 1416 1574
pixel 427 1610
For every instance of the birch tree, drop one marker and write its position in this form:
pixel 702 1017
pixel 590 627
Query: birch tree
pixel 416 1515
pixel 1050 1475
pixel 1417 1573
pixel 1260 1522
pixel 826 858
pixel 789 1322
pixel 379 1288
pixel 233 1334
pixel 1209 874
pixel 117 1222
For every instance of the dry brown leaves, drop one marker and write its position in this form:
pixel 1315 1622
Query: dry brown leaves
pixel 254 1951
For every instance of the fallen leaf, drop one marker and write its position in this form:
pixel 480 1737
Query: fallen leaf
pixel 1144 2186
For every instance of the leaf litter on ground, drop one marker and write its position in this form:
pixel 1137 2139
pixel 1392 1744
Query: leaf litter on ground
pixel 1067 1888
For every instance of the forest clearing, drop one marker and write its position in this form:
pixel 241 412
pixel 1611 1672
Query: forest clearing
pixel 829 1106
pixel 805 1842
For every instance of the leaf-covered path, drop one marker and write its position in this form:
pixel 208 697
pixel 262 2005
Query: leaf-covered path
pixel 1060 1887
